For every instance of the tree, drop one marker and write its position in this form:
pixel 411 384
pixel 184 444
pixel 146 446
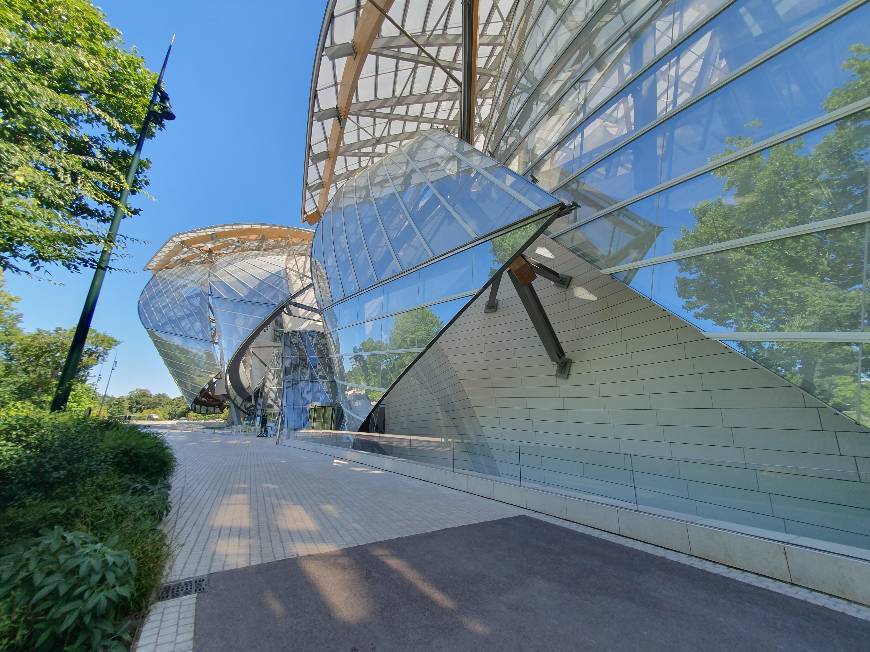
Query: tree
pixel 30 363
pixel 141 400
pixel 411 330
pixel 802 284
pixel 71 103
pixel 177 408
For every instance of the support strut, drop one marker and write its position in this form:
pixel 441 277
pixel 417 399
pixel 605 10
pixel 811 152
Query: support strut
pixel 492 301
pixel 522 275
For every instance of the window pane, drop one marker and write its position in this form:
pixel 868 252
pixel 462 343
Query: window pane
pixel 770 94
pixel 407 245
pixel 811 283
pixel 382 259
pixel 818 176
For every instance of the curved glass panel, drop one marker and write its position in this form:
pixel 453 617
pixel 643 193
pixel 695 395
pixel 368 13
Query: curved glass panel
pixel 176 302
pixel 376 336
pixel 434 195
pixel 213 289
pixel 191 362
pixel 765 97
pixel 819 176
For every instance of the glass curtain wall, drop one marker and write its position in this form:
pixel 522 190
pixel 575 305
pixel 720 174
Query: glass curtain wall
pixel 308 377
pixel 175 312
pixel 402 248
pixel 718 152
pixel 213 291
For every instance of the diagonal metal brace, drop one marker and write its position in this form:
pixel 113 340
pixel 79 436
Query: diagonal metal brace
pixel 560 280
pixel 522 275
pixel 492 301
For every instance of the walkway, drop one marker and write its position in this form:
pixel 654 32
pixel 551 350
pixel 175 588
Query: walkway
pixel 373 560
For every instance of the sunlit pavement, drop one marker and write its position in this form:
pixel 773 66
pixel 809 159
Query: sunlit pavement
pixel 375 560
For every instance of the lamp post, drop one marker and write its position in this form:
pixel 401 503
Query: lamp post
pixel 158 111
pixel 106 391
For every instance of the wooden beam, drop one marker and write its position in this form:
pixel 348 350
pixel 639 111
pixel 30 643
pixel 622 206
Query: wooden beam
pixel 219 240
pixel 368 27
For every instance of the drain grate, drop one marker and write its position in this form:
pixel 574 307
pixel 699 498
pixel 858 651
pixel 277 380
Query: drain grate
pixel 182 587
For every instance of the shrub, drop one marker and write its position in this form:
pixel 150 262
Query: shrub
pixel 133 452
pixel 100 479
pixel 65 590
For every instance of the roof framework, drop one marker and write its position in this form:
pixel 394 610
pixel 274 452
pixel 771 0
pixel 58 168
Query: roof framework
pixel 203 245
pixel 376 80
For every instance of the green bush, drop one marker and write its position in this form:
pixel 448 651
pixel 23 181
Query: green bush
pixel 65 590
pixel 134 452
pixel 105 479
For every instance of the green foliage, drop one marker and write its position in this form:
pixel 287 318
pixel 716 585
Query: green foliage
pixel 103 478
pixel 72 100
pixel 218 416
pixel 137 453
pixel 65 590
pixel 30 363
pixel 505 246
pixel 384 361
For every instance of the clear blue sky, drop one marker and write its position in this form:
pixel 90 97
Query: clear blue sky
pixel 239 78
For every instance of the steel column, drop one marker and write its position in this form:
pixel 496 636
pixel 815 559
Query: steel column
pixel 561 280
pixel 492 301
pixel 522 280
pixel 469 70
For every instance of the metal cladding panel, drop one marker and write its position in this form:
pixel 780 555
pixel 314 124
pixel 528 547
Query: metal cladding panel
pixel 431 223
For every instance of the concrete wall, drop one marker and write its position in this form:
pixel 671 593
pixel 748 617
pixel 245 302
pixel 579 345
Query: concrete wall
pixel 653 414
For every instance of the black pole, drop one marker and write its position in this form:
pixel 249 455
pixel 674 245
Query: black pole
pixel 469 70
pixel 77 347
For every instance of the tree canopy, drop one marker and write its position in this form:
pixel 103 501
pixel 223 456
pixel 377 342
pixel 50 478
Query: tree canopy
pixel 31 362
pixel 72 100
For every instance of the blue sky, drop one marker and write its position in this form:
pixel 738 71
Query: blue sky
pixel 239 78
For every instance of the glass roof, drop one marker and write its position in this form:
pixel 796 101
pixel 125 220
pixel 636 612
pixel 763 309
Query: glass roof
pixel 385 87
pixel 433 195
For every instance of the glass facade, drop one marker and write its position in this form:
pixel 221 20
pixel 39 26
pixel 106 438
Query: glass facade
pixel 436 220
pixel 212 293
pixel 718 153
pixel 175 312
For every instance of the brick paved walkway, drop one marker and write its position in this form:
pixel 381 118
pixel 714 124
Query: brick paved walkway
pixel 239 501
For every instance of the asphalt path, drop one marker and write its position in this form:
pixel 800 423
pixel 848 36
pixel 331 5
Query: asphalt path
pixel 515 583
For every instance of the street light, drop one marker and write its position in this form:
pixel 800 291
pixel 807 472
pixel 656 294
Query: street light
pixel 158 111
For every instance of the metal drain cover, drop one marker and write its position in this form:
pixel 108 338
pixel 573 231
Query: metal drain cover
pixel 177 589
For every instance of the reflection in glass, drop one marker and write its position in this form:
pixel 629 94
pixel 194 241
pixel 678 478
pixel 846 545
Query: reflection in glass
pixel 837 373
pixel 434 195
pixel 369 355
pixel 811 283
pixel 780 93
pixel 815 177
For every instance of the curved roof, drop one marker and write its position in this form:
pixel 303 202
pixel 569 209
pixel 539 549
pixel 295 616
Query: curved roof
pixel 201 245
pixel 377 80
